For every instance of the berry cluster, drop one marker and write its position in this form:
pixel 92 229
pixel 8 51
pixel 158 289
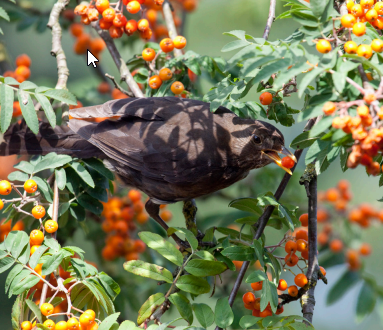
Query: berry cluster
pixel 362 215
pixel 119 226
pixel 22 71
pixel 358 14
pixel 368 138
pixel 84 41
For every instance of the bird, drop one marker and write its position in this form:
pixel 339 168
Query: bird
pixel 173 149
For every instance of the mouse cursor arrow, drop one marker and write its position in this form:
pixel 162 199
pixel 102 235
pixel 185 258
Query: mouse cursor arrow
pixel 91 59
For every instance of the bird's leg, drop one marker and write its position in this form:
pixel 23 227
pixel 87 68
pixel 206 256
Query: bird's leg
pixel 154 211
pixel 190 211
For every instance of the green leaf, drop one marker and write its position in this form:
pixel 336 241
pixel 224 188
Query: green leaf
pixel 204 314
pixel 245 204
pixel 25 284
pixel 205 255
pixel 90 203
pixel 111 287
pixel 248 321
pixel 6 103
pixel 60 176
pixel 318 7
pixel 62 95
pixel 239 253
pixel 303 140
pixel 83 173
pixel 52 243
pixel 188 234
pixel 99 167
pixel 47 107
pixel 52 263
pixel 165 248
pixel 28 111
pixel 192 284
pixel 145 269
pixel 366 301
pixel 202 268
pixel 258 251
pixel 108 322
pixel 183 305
pixel 224 316
pixel 35 309
pixel 51 161
pixel 321 126
pixel 127 325
pixel 343 285
pixel 269 295
pixel 11 275
pixel 3 14
pixel 25 167
pixel 307 79
pixel 15 242
pixel 234 45
pixel 256 276
pixel 34 260
pixel 18 176
pixel 149 306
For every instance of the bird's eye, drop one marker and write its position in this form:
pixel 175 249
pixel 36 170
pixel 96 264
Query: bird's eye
pixel 257 139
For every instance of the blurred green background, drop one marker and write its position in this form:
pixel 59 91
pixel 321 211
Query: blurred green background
pixel 204 29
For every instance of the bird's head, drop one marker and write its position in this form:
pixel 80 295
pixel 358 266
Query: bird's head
pixel 261 142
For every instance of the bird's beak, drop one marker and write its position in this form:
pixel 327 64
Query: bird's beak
pixel 273 155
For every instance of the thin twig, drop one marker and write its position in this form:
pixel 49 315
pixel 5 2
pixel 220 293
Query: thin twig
pixel 130 94
pixel 168 16
pixel 123 69
pixel 270 19
pixel 57 50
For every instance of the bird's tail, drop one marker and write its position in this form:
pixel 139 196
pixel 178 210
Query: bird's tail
pixel 20 140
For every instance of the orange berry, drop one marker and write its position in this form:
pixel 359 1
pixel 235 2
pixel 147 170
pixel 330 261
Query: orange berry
pixel 166 215
pixel 121 227
pixel 257 286
pixel 73 324
pixel 24 60
pixel 46 309
pixel 76 29
pixel 108 14
pixel 51 226
pixel 36 237
pixel 23 71
pixel 93 14
pixel 86 320
pixel 179 42
pixel 368 98
pixel 359 29
pixel 165 74
pixel 291 260
pixel 142 218
pixel 85 20
pixel 357 10
pixel 81 10
pixel 50 324
pixel 119 20
pixel 377 46
pixel 130 27
pixel 301 280
pixel 143 25
pixel 131 256
pixel 266 98
pixel 109 253
pixel 248 298
pixel 287 162
pixel 16 109
pixel 348 20
pixel 91 314
pixel 151 15
pixel 322 270
pixel 26 325
pixel 105 25
pixel 133 7
pixel 148 54
pixel 139 246
pixel 302 245
pixel 351 47
pixel 101 5
pixel 5 187
pixel 62 325
pixel 189 5
pixel 34 248
pixel 30 186
pixel 365 249
pixel 38 211
pixel 282 286
pixel 115 32
pixel 365 51
pixel 167 45
pixel 332 194
pixel 323 46
pixel 1 204
pixel 266 313
pixel 302 234
pixel 292 290
pixel 177 87
pixel 280 310
pixel 336 245
pixel 147 34
pixel 371 15
pixel 255 312
pixel 367 4
pixel 304 219
pixel 291 247
pixel 103 88
pixel 329 108
pixel 155 82
pixel 379 8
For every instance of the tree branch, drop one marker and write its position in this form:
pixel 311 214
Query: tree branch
pixel 167 11
pixel 57 50
pixel 123 69
pixel 270 19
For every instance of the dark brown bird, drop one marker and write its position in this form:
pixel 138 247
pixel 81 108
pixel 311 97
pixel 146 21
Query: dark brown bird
pixel 172 149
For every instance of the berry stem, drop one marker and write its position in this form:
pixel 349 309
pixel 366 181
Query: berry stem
pixel 168 16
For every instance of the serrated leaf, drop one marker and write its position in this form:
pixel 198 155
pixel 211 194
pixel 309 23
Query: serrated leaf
pixel 27 283
pixel 6 103
pixel 141 268
pixel 61 95
pixel 35 309
pixel 28 111
pixel 47 107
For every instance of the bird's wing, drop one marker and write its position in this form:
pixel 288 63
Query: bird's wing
pixel 167 139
